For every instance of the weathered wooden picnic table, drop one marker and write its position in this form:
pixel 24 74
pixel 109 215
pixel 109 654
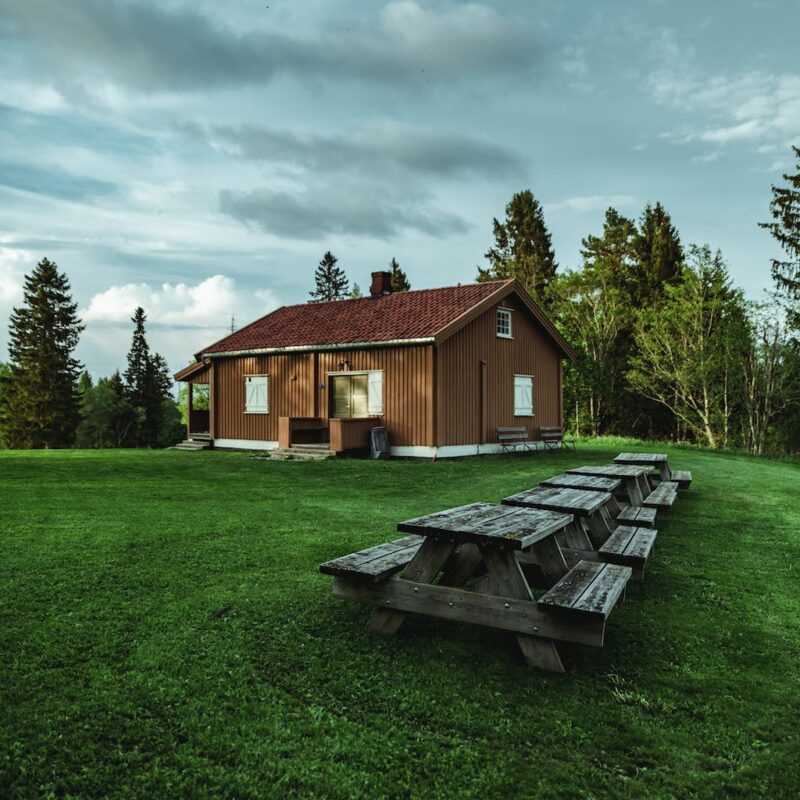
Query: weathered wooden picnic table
pixel 589 507
pixel 659 462
pixel 634 479
pixel 476 549
pixel 589 483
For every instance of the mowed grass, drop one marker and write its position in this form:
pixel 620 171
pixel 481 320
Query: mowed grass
pixel 164 632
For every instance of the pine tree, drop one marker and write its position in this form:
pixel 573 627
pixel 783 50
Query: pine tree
pixel 400 282
pixel 659 252
pixel 40 406
pixel 523 248
pixel 356 292
pixel 785 210
pixel 331 282
pixel 147 384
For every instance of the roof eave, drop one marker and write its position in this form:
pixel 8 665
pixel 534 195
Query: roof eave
pixel 319 348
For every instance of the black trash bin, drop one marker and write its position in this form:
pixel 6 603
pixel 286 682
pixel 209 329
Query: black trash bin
pixel 379 443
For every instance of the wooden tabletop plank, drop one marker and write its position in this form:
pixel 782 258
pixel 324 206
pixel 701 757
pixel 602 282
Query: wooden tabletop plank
pixel 640 458
pixel 570 501
pixel 596 483
pixel 484 523
pixel 611 471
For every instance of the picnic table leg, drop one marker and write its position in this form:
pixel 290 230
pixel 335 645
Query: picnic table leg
pixel 424 567
pixel 634 491
pixel 506 579
pixel 599 528
pixel 575 536
pixel 613 506
pixel 463 564
pixel 664 471
pixel 645 487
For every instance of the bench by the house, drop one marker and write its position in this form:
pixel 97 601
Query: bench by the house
pixel 554 437
pixel 663 496
pixel 513 438
pixel 639 516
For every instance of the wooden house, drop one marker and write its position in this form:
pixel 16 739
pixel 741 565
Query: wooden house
pixel 441 369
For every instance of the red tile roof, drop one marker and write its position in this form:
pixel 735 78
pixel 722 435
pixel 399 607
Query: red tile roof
pixel 419 314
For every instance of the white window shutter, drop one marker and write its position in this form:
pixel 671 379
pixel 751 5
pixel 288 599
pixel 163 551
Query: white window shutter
pixel 376 392
pixel 256 395
pixel 523 396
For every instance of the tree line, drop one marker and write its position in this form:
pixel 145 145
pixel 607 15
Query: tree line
pixel 668 347
pixel 47 399
pixel 331 283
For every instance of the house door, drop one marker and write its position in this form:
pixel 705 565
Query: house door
pixel 349 396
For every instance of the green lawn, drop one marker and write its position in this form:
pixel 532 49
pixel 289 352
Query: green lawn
pixel 164 632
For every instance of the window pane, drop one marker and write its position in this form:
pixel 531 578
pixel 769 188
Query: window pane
pixel 341 397
pixel 360 395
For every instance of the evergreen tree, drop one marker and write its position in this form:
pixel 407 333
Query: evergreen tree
pixel 356 292
pixel 330 281
pixel 660 255
pixel 785 210
pixel 522 249
pixel 147 383
pixel 400 282
pixel 108 419
pixel 40 406
pixel 84 383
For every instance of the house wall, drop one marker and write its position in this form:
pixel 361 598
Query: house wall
pixel 407 393
pixel 463 418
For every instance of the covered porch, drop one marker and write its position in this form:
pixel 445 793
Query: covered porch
pixel 198 414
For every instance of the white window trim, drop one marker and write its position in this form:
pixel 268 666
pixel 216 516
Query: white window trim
pixel 256 375
pixel 532 378
pixel 509 312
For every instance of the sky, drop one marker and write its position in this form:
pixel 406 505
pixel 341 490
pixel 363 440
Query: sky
pixel 198 158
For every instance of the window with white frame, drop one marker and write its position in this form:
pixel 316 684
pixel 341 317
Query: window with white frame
pixel 256 394
pixel 504 323
pixel 523 395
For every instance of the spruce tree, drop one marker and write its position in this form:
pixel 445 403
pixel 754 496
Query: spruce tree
pixel 400 282
pixel 147 384
pixel 785 210
pixel 523 248
pixel 660 254
pixel 40 407
pixel 330 281
pixel 356 292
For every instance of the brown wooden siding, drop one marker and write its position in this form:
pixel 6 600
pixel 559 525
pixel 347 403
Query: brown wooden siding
pixel 407 396
pixel 463 415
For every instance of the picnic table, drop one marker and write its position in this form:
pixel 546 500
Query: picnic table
pixel 660 462
pixel 589 506
pixel 476 549
pixel 634 479
pixel 590 483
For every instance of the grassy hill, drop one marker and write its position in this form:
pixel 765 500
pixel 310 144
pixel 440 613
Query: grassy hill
pixel 164 632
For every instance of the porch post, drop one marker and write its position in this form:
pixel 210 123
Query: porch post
pixel 190 408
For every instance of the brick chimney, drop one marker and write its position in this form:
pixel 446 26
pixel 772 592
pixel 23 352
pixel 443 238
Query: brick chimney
pixel 381 284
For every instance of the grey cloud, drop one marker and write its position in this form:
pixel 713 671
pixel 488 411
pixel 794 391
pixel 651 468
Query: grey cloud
pixel 385 146
pixel 153 46
pixel 316 212
pixel 53 183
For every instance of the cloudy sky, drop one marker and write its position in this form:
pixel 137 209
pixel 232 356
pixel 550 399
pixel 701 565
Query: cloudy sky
pixel 197 158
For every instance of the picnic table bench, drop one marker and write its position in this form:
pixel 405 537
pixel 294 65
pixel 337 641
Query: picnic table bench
pixel 660 462
pixel 473 551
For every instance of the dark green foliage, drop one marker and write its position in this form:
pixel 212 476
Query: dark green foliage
pixel 40 399
pixel 522 248
pixel 171 428
pixel 84 383
pixel 356 292
pixel 147 385
pixel 400 282
pixel 165 633
pixel 330 281
pixel 659 255
pixel 5 376
pixel 107 417
pixel 785 228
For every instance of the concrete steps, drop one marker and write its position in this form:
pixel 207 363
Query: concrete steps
pixel 303 452
pixel 193 444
